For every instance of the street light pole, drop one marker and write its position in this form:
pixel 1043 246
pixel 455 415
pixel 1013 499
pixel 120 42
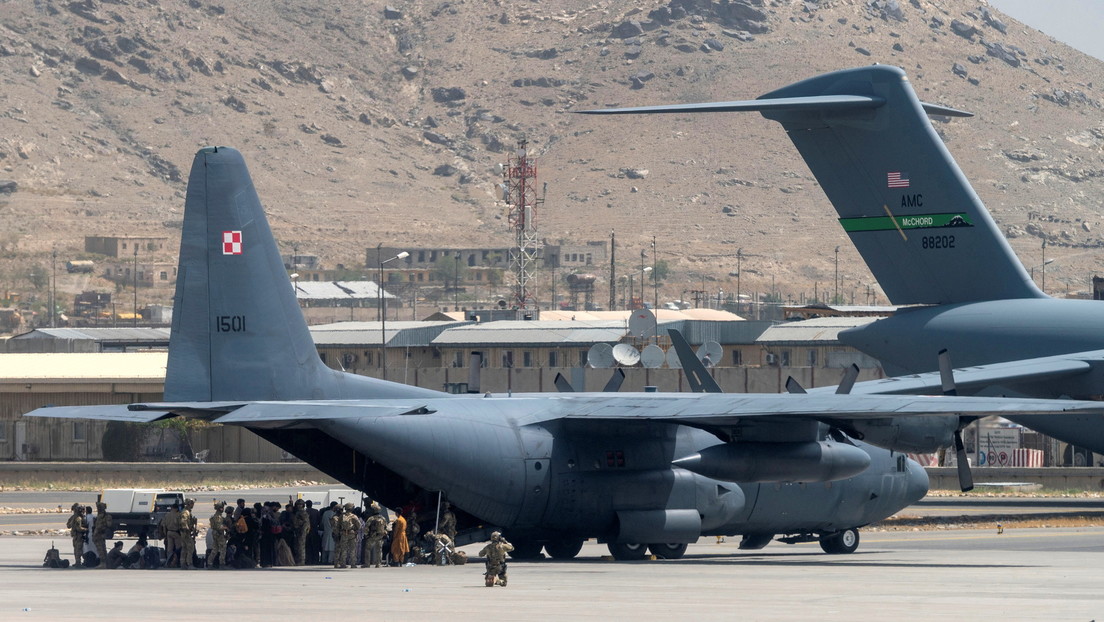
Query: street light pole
pixel 835 291
pixel 382 309
pixel 1044 266
pixel 456 284
pixel 739 274
pixel 135 284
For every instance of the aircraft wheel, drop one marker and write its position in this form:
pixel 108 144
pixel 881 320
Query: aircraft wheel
pixel 840 543
pixel 668 550
pixel 627 552
pixel 563 549
pixel 526 549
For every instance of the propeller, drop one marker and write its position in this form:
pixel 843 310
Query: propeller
pixel 848 381
pixel 614 384
pixel 562 385
pixel 793 386
pixel 946 379
pixel 696 375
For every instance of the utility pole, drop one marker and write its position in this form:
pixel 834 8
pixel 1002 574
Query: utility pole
pixel 53 292
pixel 135 284
pixel 835 291
pixel 613 274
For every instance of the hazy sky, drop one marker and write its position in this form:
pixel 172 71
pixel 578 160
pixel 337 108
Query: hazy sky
pixel 1076 23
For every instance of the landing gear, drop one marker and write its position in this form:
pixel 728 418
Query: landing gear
pixel 841 542
pixel 668 550
pixel 627 552
pixel 526 549
pixel 563 549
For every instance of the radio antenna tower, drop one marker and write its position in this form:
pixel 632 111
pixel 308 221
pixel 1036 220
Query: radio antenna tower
pixel 521 179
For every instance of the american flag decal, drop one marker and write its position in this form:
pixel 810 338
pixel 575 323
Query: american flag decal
pixel 231 243
pixel 897 179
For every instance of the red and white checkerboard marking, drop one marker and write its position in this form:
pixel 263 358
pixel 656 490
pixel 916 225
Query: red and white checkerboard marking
pixel 231 242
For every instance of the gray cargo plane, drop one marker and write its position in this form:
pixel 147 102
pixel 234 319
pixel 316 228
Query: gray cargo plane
pixel 638 471
pixel 931 244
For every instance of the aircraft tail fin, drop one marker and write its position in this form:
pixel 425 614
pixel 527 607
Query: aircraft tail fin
pixel 900 196
pixel 237 331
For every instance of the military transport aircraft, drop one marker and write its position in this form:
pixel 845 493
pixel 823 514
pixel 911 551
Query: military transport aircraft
pixel 931 243
pixel 549 469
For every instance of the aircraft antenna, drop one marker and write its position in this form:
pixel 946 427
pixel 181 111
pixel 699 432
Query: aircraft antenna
pixel 520 178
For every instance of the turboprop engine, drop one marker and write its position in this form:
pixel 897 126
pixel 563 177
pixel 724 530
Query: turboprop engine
pixel 750 462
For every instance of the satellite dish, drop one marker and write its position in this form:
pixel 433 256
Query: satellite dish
pixel 626 355
pixel 652 356
pixel 600 356
pixel 642 324
pixel 673 361
pixel 713 350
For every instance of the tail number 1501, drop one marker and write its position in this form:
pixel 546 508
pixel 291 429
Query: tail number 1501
pixel 230 323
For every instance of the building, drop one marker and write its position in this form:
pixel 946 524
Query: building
pixel 125 245
pixel 814 344
pixel 150 273
pixel 356 346
pixel 569 256
pixel 43 340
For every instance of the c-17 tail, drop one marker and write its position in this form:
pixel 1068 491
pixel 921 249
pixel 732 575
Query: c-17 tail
pixel 900 196
pixel 237 331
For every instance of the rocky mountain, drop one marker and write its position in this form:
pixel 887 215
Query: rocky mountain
pixel 366 123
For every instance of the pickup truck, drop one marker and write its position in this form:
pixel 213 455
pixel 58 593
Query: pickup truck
pixel 138 511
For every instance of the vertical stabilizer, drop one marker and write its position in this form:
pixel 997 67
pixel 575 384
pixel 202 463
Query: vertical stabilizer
pixel 238 332
pixel 900 196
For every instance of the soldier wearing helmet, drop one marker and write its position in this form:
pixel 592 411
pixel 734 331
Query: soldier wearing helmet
pixel 495 556
pixel 375 532
pixel 220 532
pixel 78 531
pixel 102 529
pixel 300 523
pixel 188 533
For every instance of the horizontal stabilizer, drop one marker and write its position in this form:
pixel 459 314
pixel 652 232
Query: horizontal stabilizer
pixel 289 412
pixel 819 102
pixel 114 412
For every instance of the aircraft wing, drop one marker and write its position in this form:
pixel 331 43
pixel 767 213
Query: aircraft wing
pixel 970 379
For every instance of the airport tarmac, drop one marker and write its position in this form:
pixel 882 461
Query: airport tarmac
pixel 1029 574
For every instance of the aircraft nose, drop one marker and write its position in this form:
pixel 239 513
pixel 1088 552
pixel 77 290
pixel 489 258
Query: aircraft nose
pixel 917 482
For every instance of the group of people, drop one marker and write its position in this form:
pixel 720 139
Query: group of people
pixel 270 534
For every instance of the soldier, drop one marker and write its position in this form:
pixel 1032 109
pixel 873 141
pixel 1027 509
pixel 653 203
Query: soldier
pixel 78 531
pixel 188 533
pixel 350 525
pixel 375 531
pixel 335 533
pixel 412 528
pixel 302 524
pixel 170 533
pixel 441 546
pixel 495 554
pixel 448 522
pixel 220 531
pixel 102 529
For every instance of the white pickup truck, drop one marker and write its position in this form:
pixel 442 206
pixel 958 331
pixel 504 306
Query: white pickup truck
pixel 138 511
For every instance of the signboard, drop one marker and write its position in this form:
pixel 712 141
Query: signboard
pixel 996 446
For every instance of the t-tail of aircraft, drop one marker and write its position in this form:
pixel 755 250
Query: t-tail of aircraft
pixel 237 331
pixel 900 196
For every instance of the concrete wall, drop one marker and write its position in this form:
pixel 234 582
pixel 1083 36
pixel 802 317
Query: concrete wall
pixel 93 475
pixel 1054 478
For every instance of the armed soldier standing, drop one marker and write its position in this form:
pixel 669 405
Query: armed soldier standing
pixel 350 526
pixel 448 522
pixel 495 555
pixel 170 533
pixel 335 533
pixel 220 531
pixel 301 523
pixel 188 533
pixel 102 529
pixel 78 531
pixel 375 531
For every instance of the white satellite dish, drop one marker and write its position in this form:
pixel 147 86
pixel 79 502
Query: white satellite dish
pixel 626 355
pixel 652 356
pixel 642 324
pixel 673 360
pixel 600 356
pixel 713 350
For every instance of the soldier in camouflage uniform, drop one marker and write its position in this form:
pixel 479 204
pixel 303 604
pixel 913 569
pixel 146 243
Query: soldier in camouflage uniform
pixel 301 523
pixel 335 532
pixel 102 529
pixel 220 531
pixel 441 547
pixel 350 525
pixel 495 554
pixel 170 533
pixel 78 530
pixel 375 532
pixel 188 533
pixel 448 522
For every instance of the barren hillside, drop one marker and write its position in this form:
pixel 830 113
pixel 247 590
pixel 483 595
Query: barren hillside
pixel 365 123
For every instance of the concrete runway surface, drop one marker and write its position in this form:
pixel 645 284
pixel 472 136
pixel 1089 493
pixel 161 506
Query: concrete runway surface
pixel 1028 574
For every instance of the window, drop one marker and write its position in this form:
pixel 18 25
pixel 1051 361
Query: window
pixel 164 275
pixel 508 358
pixel 553 359
pixel 811 358
pixel 527 359
pixel 458 359
pixel 124 246
pixel 785 358
pixel 582 358
pixel 3 431
pixel 737 358
pixel 80 432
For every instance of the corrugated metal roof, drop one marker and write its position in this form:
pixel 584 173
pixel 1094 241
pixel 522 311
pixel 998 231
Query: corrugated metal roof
pixel 113 366
pixel 534 333
pixel 821 330
pixel 99 334
pixel 663 315
pixel 338 290
pixel 399 333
